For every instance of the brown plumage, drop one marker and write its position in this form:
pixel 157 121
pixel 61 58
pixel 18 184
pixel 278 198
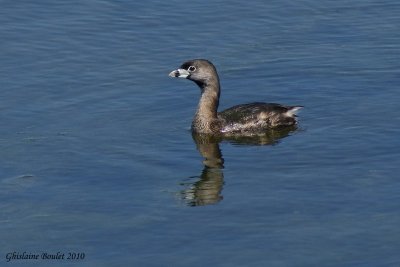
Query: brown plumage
pixel 241 119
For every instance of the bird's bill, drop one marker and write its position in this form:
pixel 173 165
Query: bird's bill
pixel 179 73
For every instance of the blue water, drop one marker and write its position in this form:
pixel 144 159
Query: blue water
pixel 97 157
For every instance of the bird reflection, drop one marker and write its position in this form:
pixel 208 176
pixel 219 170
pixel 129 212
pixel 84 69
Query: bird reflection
pixel 207 189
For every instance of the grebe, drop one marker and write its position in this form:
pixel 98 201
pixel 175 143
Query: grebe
pixel 248 118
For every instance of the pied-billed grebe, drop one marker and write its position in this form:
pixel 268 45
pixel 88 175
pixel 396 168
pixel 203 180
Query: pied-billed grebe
pixel 241 119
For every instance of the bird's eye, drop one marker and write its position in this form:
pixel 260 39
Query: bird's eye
pixel 192 68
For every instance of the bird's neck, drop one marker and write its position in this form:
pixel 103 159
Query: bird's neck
pixel 209 101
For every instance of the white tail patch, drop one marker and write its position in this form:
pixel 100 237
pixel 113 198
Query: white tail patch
pixel 292 111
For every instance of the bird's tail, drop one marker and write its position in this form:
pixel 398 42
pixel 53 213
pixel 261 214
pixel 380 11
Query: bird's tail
pixel 292 110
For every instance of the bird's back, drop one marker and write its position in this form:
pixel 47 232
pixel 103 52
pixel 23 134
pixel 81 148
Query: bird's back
pixel 257 116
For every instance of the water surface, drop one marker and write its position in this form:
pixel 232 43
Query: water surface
pixel 97 157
